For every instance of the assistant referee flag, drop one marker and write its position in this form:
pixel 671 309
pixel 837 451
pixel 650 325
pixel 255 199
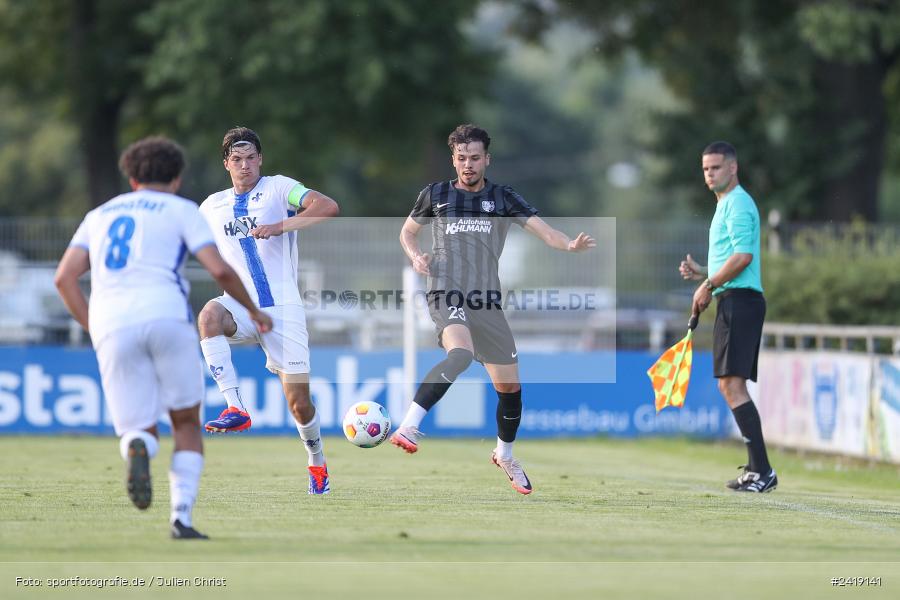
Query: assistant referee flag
pixel 671 374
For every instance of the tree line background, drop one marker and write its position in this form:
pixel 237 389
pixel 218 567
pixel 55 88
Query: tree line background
pixel 595 108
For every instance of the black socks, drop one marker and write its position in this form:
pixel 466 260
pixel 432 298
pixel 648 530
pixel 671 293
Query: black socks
pixel 509 414
pixel 439 379
pixel 747 419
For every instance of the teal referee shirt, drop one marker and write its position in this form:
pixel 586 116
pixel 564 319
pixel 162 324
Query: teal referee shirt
pixel 735 228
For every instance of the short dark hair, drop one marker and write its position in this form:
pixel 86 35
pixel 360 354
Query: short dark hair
pixel 723 148
pixel 239 134
pixel 153 159
pixel 468 133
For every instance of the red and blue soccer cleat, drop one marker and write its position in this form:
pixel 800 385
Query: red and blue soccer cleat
pixel 231 420
pixel 318 480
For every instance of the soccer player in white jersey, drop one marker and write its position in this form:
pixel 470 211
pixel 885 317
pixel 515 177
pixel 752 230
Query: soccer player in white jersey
pixel 254 225
pixel 140 321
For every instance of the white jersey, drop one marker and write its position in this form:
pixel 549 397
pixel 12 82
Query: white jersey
pixel 138 244
pixel 268 268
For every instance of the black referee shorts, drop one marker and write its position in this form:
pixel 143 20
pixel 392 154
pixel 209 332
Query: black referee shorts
pixel 491 337
pixel 737 333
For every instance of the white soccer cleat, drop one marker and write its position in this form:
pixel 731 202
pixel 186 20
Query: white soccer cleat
pixel 407 438
pixel 513 469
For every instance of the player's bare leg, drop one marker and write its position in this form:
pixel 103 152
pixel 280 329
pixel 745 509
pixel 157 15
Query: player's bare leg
pixel 457 341
pixel 216 324
pixel 185 471
pixel 296 391
pixel 509 415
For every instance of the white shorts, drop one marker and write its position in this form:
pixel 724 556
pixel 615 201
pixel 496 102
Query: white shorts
pixel 150 368
pixel 286 345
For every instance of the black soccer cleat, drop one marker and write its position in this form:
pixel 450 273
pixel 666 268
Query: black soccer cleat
pixel 138 475
pixel 183 532
pixel 733 484
pixel 760 484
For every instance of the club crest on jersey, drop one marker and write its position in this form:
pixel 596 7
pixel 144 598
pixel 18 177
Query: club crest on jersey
pixel 241 225
pixel 487 206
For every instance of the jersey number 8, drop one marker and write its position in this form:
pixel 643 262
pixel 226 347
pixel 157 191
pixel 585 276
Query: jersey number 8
pixel 120 232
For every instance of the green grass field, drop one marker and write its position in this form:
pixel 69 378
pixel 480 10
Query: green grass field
pixel 608 518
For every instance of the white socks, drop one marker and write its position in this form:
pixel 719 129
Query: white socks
pixel 184 481
pixel 217 354
pixel 414 416
pixel 184 474
pixel 149 440
pixel 312 439
pixel 504 449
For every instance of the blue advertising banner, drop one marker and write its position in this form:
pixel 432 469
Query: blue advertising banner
pixel 57 390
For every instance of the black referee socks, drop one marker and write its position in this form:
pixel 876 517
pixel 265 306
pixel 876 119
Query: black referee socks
pixel 747 418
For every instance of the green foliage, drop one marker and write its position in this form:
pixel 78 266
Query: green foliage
pixel 560 123
pixel 349 97
pixel 36 163
pixel 848 277
pixel 345 95
pixel 806 112
pixel 24 55
pixel 66 68
pixel 549 164
pixel 850 31
pixel 356 97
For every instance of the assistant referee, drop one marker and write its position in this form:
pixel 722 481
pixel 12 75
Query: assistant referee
pixel 733 277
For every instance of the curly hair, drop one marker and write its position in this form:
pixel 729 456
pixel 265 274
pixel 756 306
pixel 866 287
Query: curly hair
pixel 153 159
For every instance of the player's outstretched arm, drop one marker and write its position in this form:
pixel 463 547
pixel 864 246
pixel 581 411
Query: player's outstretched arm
pixel 409 241
pixel 74 263
pixel 317 207
pixel 225 276
pixel 557 239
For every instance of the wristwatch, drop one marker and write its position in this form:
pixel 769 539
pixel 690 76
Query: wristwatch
pixel 709 284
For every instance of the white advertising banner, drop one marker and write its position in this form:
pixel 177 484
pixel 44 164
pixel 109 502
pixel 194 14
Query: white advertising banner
pixel 821 400
pixel 885 411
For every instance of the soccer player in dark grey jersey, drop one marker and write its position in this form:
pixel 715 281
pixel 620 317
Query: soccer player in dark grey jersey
pixel 470 218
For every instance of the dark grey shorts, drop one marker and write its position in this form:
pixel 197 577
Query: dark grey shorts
pixel 738 332
pixel 491 336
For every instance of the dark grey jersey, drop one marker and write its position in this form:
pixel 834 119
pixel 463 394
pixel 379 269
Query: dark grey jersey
pixel 469 231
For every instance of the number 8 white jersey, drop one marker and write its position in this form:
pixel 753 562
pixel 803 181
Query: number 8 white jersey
pixel 138 244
